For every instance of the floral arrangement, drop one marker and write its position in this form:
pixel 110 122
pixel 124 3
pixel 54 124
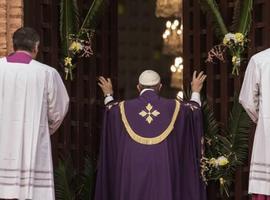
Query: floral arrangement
pixel 76 41
pixel 226 147
pixel 80 46
pixel 236 44
pixel 236 41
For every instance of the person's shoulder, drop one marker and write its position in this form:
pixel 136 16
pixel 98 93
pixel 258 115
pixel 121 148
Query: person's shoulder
pixel 132 101
pixel 261 56
pixel 167 100
pixel 43 66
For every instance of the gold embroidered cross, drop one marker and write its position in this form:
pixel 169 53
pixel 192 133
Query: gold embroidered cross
pixel 149 114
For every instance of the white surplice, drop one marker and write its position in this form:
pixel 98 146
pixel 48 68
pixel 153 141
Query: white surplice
pixel 255 98
pixel 33 103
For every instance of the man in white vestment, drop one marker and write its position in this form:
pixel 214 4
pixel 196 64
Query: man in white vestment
pixel 255 98
pixel 33 103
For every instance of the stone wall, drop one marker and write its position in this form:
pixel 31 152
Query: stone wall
pixel 11 18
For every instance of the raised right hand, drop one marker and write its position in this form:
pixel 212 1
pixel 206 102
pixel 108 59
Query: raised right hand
pixel 105 85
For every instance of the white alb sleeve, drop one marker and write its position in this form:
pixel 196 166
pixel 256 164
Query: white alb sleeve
pixel 195 96
pixel 249 95
pixel 58 101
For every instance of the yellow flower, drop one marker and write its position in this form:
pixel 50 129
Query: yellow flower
pixel 68 61
pixel 213 162
pixel 239 37
pixel 235 60
pixel 222 161
pixel 225 41
pixel 75 46
pixel 221 181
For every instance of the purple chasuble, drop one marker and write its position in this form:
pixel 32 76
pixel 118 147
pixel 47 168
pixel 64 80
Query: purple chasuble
pixel 169 170
pixel 19 57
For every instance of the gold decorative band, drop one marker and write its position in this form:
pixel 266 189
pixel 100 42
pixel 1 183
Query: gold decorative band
pixel 144 140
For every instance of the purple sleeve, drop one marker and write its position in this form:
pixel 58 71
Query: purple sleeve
pixel 106 163
pixel 195 147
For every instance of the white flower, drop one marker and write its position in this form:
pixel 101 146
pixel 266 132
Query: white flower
pixel 222 161
pixel 228 38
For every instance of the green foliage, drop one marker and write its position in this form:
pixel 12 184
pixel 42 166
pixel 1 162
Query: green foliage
pixel 212 7
pixel 245 18
pixel 69 20
pixel 229 142
pixel 236 15
pixel 211 129
pixel 91 19
pixel 87 180
pixel 241 17
pixel 70 185
pixel 238 127
pixel 63 181
pixel 236 41
pixel 75 43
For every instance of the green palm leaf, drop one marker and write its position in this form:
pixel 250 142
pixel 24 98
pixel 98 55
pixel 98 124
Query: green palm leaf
pixel 212 7
pixel 211 129
pixel 87 180
pixel 245 18
pixel 69 19
pixel 63 179
pixel 236 15
pixel 230 141
pixel 91 19
pixel 239 127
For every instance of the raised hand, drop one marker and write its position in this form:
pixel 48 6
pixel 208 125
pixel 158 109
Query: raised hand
pixel 197 81
pixel 105 85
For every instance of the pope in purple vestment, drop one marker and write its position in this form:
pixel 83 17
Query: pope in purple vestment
pixel 151 146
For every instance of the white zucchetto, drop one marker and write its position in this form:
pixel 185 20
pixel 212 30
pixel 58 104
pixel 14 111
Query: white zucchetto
pixel 149 78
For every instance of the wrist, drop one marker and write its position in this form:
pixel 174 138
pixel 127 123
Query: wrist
pixel 195 91
pixel 108 95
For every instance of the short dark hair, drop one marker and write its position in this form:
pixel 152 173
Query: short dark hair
pixel 25 38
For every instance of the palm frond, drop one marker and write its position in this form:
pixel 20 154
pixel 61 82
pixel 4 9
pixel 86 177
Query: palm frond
pixel 212 7
pixel 63 179
pixel 239 127
pixel 91 19
pixel 212 126
pixel 211 130
pixel 230 141
pixel 69 20
pixel 87 179
pixel 245 18
pixel 236 15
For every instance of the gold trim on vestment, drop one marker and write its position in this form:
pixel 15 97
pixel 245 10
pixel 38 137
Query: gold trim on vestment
pixel 144 140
